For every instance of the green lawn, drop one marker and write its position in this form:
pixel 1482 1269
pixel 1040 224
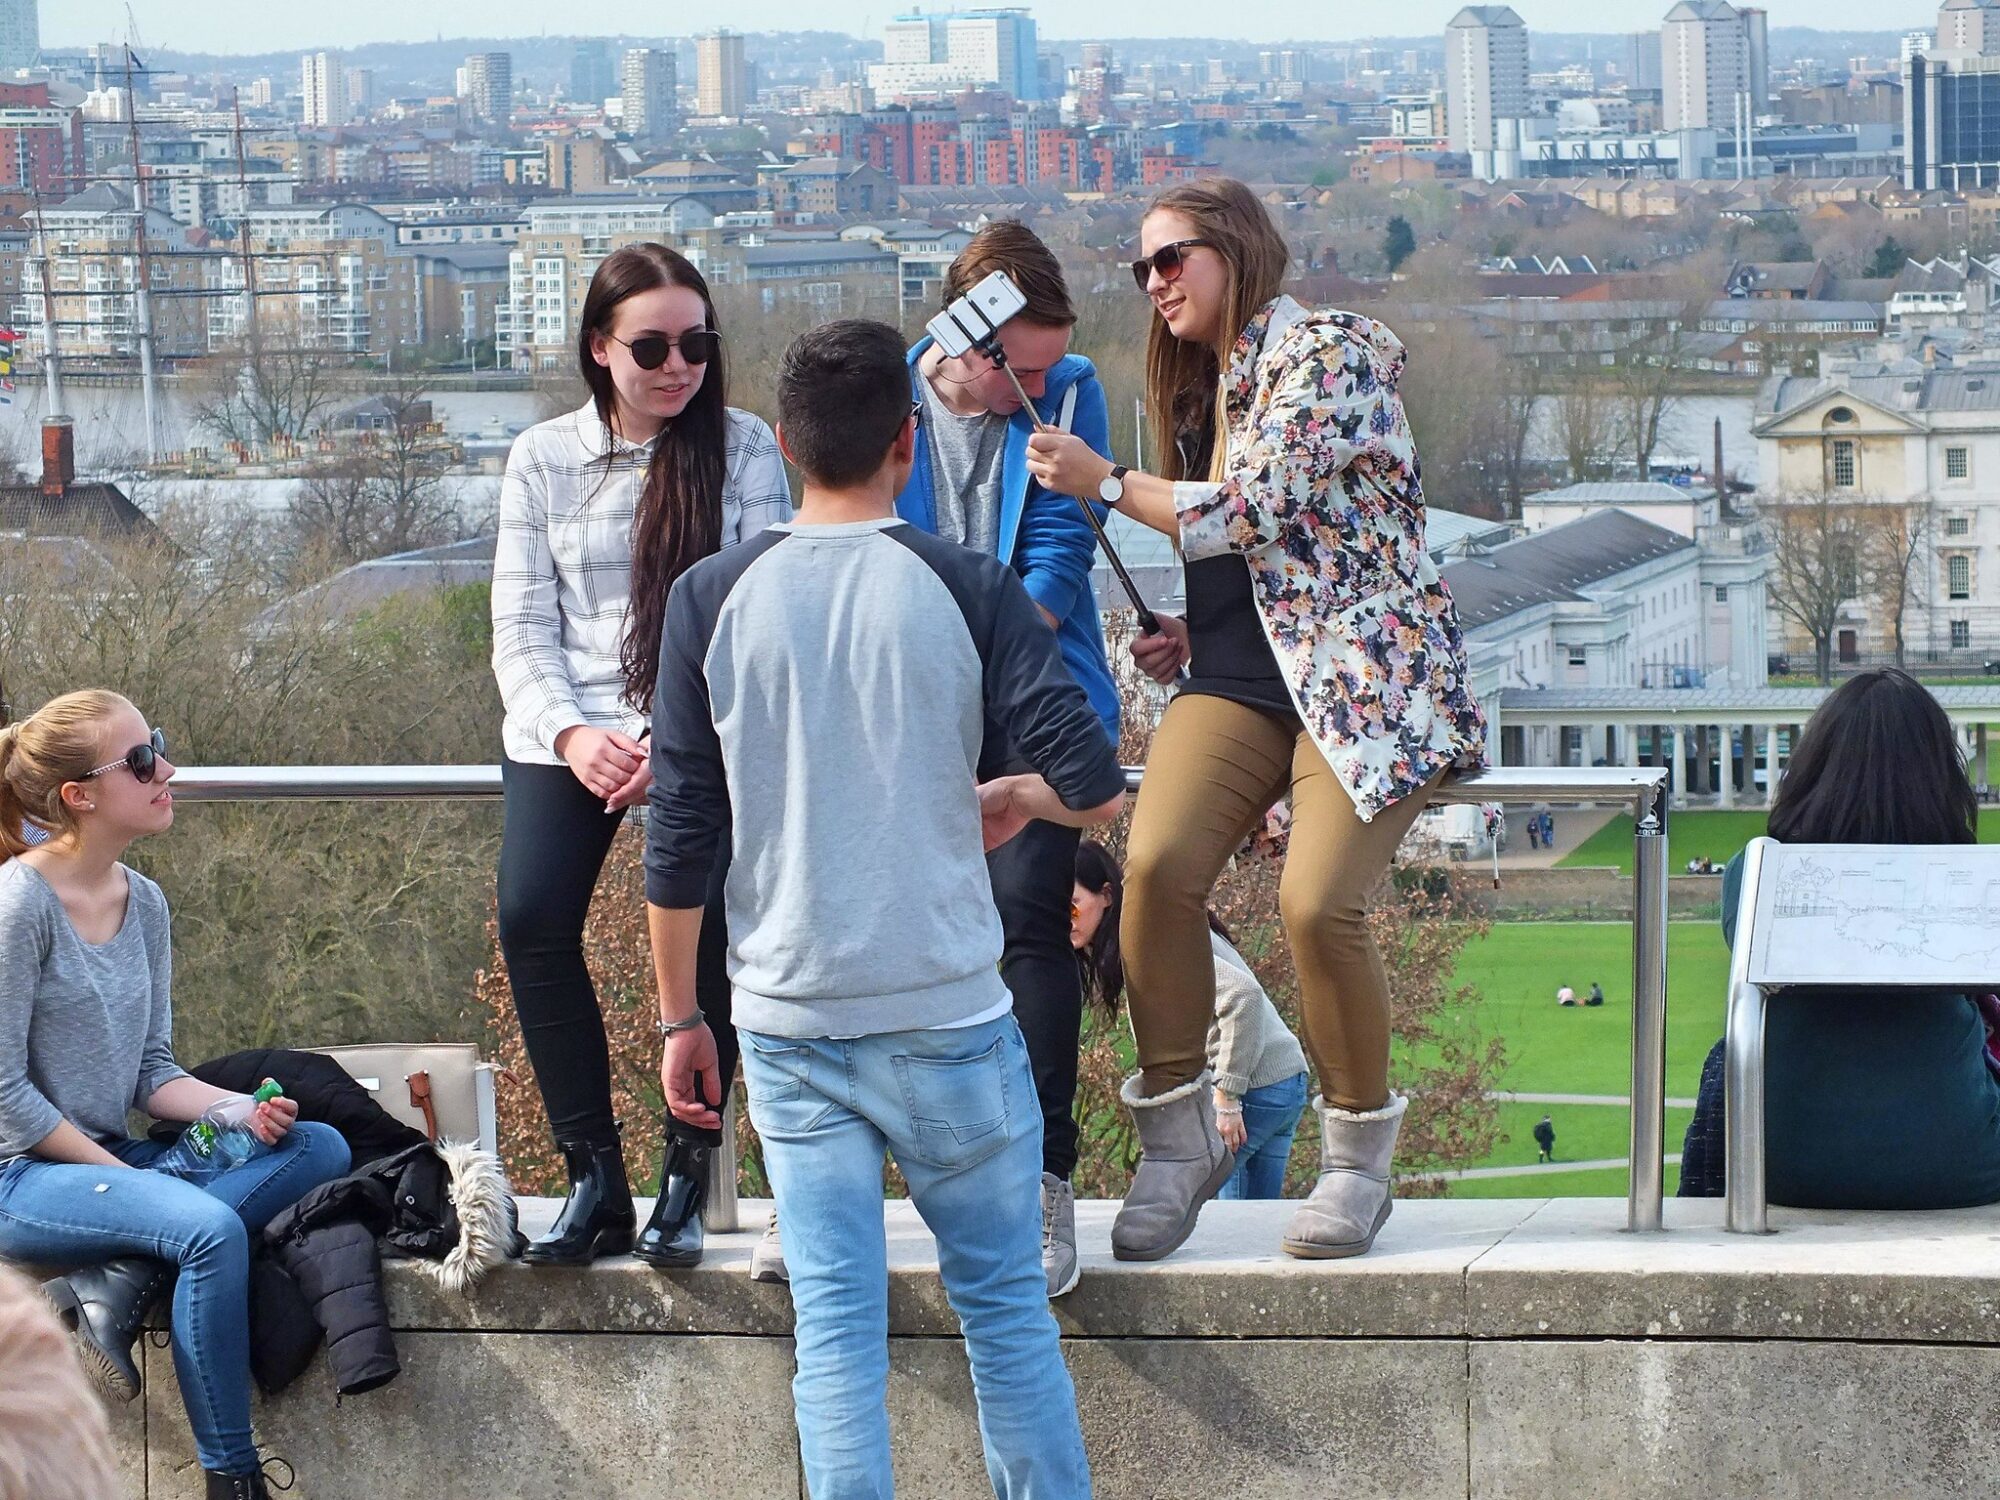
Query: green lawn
pixel 1551 1049
pixel 1806 679
pixel 1719 835
pixel 1601 1184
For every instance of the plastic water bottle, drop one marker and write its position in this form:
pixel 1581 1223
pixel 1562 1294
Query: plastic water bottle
pixel 220 1139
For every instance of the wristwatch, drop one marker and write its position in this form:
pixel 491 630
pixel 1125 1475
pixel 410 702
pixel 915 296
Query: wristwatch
pixel 1111 489
pixel 668 1028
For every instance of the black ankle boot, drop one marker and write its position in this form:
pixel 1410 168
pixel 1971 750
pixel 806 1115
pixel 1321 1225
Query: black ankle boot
pixel 597 1218
pixel 672 1238
pixel 103 1308
pixel 246 1486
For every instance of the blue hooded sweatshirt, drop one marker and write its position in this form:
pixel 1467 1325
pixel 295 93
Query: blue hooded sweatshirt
pixel 1044 537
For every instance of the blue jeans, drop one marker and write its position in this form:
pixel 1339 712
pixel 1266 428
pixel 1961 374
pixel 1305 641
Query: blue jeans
pixel 1270 1116
pixel 55 1214
pixel 958 1111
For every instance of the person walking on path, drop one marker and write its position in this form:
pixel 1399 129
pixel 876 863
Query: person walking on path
pixel 1545 1139
pixel 1327 663
pixel 600 511
pixel 823 698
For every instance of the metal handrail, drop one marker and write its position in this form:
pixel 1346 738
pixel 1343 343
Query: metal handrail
pixel 1642 788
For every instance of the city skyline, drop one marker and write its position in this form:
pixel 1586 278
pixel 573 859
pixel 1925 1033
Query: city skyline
pixel 240 27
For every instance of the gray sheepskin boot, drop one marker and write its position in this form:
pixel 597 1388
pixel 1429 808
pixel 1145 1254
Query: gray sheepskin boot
pixel 1184 1164
pixel 1351 1201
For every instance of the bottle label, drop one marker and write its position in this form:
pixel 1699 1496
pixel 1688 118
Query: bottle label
pixel 202 1138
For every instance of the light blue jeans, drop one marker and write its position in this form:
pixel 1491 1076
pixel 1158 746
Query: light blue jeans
pixel 1270 1119
pixel 958 1111
pixel 56 1214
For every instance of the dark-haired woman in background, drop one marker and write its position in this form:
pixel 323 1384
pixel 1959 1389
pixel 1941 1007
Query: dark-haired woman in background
pixel 1871 1100
pixel 600 512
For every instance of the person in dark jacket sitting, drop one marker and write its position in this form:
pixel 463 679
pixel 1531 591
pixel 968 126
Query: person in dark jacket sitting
pixel 1871 1100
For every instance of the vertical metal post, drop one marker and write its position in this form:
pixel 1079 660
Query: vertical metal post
pixel 1649 1015
pixel 718 1206
pixel 1743 1067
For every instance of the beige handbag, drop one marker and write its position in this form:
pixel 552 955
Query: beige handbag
pixel 444 1089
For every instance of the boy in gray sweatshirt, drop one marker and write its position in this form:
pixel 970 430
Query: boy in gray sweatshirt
pixel 824 691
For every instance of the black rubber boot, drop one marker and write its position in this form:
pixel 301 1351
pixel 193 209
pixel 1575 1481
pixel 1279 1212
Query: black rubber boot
pixel 597 1218
pixel 103 1308
pixel 672 1238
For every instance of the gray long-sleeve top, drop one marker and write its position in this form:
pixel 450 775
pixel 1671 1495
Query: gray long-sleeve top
pixel 1249 1044
pixel 85 1028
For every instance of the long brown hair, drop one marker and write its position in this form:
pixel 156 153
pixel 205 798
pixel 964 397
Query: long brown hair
pixel 60 742
pixel 1182 378
pixel 1878 764
pixel 679 519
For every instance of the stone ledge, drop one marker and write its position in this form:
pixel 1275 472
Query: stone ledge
pixel 1481 1269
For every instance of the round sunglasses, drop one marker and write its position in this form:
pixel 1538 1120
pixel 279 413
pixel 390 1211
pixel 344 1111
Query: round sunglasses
pixel 1168 260
pixel 650 350
pixel 141 760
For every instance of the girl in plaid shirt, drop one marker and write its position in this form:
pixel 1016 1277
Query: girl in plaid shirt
pixel 600 512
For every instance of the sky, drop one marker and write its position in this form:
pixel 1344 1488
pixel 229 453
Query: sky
pixel 260 26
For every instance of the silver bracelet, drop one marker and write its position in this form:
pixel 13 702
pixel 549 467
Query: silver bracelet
pixel 668 1028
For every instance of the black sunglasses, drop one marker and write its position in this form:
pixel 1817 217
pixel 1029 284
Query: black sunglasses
pixel 141 760
pixel 650 350
pixel 1167 260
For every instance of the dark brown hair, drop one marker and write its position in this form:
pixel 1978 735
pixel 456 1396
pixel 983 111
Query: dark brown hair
pixel 1878 764
pixel 1011 246
pixel 679 519
pixel 843 395
pixel 1101 962
pixel 1182 378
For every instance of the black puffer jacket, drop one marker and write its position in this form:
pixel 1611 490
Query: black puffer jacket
pixel 318 1270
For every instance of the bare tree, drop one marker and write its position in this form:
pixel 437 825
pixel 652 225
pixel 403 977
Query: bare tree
pixel 261 394
pixel 1823 559
pixel 383 492
pixel 1651 366
pixel 1589 424
pixel 1895 536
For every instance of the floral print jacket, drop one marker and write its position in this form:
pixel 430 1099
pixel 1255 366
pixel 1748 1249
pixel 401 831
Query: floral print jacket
pixel 1322 497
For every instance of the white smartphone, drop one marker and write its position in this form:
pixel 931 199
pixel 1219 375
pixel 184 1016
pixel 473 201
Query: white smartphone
pixel 977 316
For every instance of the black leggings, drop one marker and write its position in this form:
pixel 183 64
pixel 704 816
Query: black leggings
pixel 552 848
pixel 1034 879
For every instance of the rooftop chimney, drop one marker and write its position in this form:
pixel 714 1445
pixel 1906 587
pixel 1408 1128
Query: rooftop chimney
pixel 58 456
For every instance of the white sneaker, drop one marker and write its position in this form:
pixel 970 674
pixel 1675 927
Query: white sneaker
pixel 767 1261
pixel 1059 1262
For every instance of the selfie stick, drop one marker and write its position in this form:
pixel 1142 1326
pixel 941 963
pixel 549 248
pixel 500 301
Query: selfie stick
pixel 973 322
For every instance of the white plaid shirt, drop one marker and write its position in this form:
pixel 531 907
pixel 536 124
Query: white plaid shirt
pixel 562 568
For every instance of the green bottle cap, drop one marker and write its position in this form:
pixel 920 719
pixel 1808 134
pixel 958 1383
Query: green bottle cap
pixel 268 1090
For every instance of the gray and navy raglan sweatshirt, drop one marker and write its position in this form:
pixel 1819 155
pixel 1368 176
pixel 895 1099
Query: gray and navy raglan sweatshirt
pixel 823 695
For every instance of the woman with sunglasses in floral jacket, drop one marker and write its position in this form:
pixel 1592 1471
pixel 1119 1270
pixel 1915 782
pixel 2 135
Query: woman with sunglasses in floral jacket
pixel 1326 663
pixel 86 1034
pixel 600 512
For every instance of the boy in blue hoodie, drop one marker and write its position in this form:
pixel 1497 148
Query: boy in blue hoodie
pixel 970 485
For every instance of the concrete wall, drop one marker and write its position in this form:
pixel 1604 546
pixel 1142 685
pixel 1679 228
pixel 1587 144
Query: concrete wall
pixel 1485 1349
pixel 1587 893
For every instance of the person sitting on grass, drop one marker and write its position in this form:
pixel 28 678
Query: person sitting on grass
pixel 1871 1100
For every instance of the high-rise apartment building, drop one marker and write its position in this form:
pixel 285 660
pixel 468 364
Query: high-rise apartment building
pixel 360 93
pixel 943 54
pixel 323 86
pixel 20 34
pixel 592 79
pixel 722 78
pixel 1486 86
pixel 1713 56
pixel 489 87
pixel 1642 60
pixel 650 83
pixel 1968 26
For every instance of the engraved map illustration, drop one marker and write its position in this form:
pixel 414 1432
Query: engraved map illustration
pixel 1878 915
